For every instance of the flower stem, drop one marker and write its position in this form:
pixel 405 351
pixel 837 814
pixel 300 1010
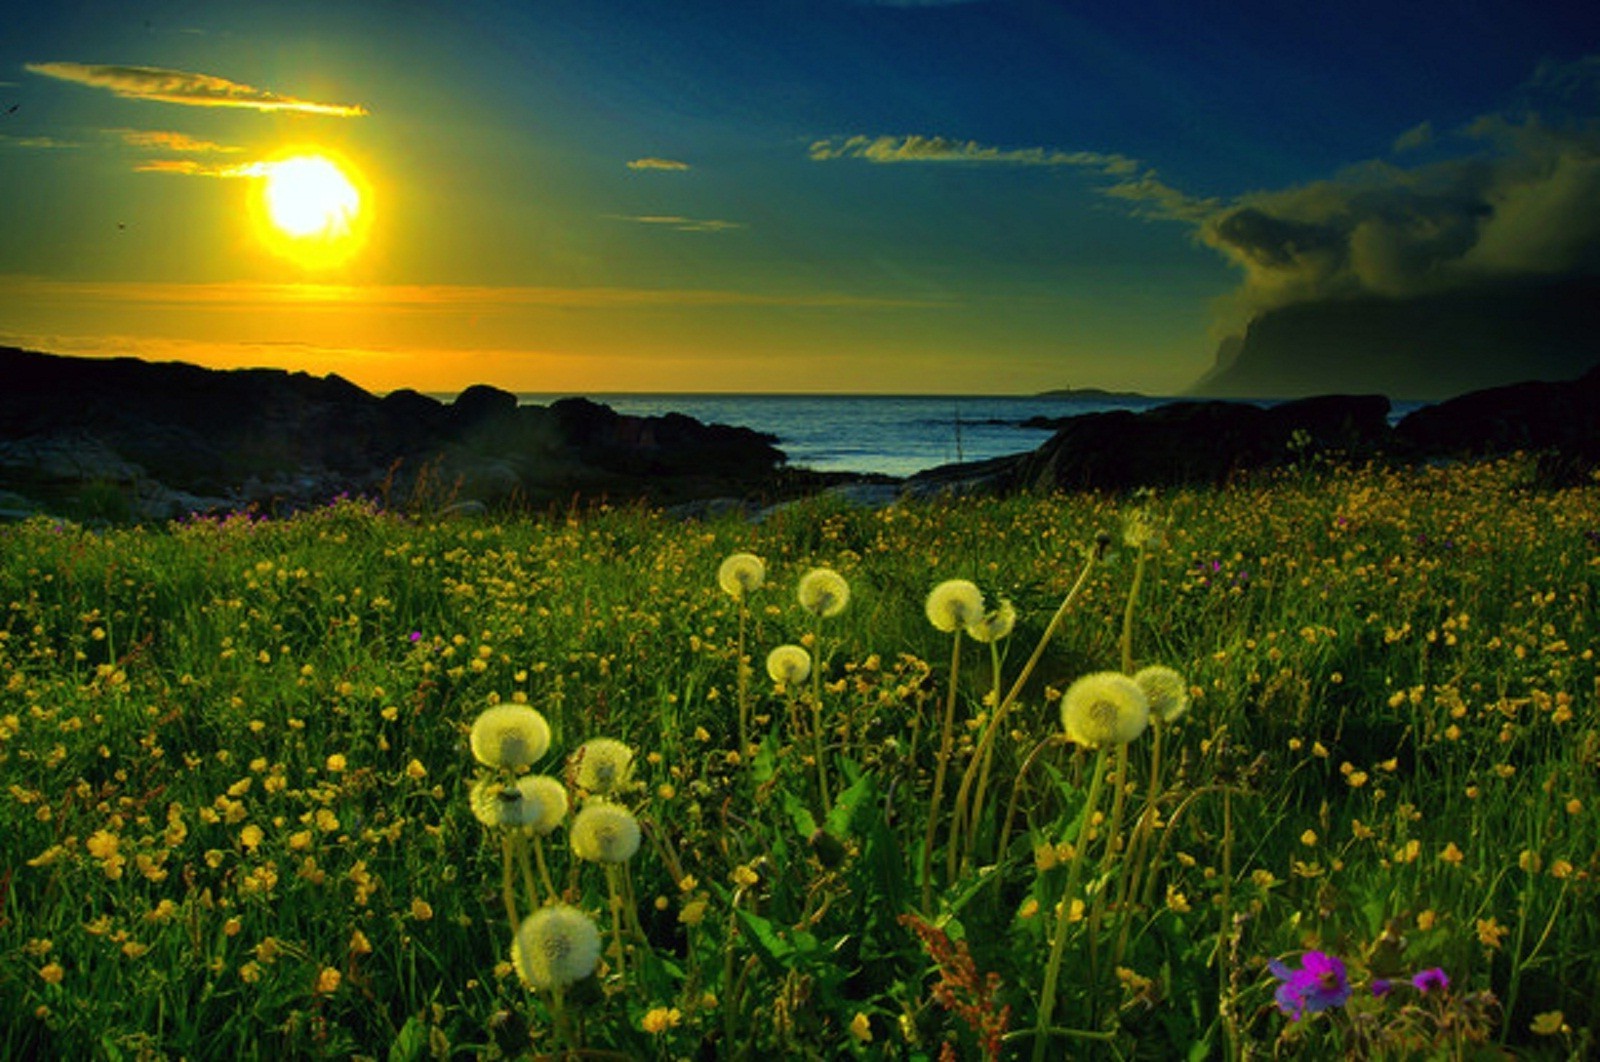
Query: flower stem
pixel 1058 946
pixel 816 719
pixel 971 813
pixel 946 739
pixel 744 688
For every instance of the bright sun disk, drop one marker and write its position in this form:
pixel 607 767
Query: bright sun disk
pixel 310 209
pixel 309 195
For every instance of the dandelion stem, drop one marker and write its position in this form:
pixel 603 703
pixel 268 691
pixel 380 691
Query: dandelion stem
pixel 1127 612
pixel 816 720
pixel 1016 790
pixel 1052 972
pixel 508 891
pixel 520 846
pixel 973 813
pixel 1141 840
pixel 946 739
pixel 744 688
pixel 544 869
pixel 616 922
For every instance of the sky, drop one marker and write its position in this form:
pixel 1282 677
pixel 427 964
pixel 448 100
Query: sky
pixel 600 196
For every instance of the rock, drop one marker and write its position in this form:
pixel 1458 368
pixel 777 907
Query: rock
pixel 276 440
pixel 1196 442
pixel 1525 416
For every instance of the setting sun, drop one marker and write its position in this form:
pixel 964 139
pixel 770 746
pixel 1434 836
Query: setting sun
pixel 311 210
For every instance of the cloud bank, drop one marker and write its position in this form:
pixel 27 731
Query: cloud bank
pixel 184 87
pixel 1520 201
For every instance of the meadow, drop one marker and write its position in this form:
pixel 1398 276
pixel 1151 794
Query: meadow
pixel 239 818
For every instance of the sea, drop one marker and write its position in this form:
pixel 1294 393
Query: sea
pixel 894 435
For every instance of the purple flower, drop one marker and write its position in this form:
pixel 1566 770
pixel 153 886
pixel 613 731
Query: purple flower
pixel 416 636
pixel 1319 984
pixel 1381 986
pixel 1431 980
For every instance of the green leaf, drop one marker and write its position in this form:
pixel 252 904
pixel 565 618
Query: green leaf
pixel 770 945
pixel 765 765
pixel 799 814
pixel 412 1041
pixel 847 808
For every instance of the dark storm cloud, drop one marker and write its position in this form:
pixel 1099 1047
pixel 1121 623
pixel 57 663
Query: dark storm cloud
pixel 1519 199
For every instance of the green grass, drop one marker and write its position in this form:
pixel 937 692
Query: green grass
pixel 235 771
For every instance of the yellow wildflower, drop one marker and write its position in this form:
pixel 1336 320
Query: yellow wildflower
pixel 327 981
pixel 861 1028
pixel 658 1020
pixel 1491 932
pixel 52 973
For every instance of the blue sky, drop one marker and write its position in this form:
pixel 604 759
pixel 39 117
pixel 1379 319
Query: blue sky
pixel 821 196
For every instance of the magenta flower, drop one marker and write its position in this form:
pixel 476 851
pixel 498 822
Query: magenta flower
pixel 1319 984
pixel 1431 980
pixel 1381 986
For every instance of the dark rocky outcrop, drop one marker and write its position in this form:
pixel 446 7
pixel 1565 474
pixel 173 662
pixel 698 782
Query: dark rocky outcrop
pixel 172 438
pixel 1206 442
pixel 1181 442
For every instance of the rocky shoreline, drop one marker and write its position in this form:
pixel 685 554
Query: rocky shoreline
pixel 128 440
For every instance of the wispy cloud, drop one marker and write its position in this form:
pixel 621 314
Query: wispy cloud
pixel 929 149
pixel 43 143
pixel 166 140
pixel 1134 183
pixel 1418 136
pixel 1151 197
pixel 681 224
pixel 652 163
pixel 196 168
pixel 185 87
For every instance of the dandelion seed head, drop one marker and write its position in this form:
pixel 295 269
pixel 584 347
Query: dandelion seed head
pixel 605 833
pixel 1166 691
pixel 604 765
pixel 555 947
pixel 513 736
pixel 995 624
pixel 740 574
pixel 1105 708
pixel 535 801
pixel 823 592
pixel 789 665
pixel 954 604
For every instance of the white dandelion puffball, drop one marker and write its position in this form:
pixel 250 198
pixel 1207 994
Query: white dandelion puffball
pixel 823 592
pixel 1166 691
pixel 954 604
pixel 1106 708
pixel 741 573
pixel 513 736
pixel 995 624
pixel 535 801
pixel 605 833
pixel 604 765
pixel 789 665
pixel 555 947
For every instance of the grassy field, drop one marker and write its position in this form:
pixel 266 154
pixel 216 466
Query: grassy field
pixel 236 773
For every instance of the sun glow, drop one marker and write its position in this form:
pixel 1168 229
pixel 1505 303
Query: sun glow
pixel 311 209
